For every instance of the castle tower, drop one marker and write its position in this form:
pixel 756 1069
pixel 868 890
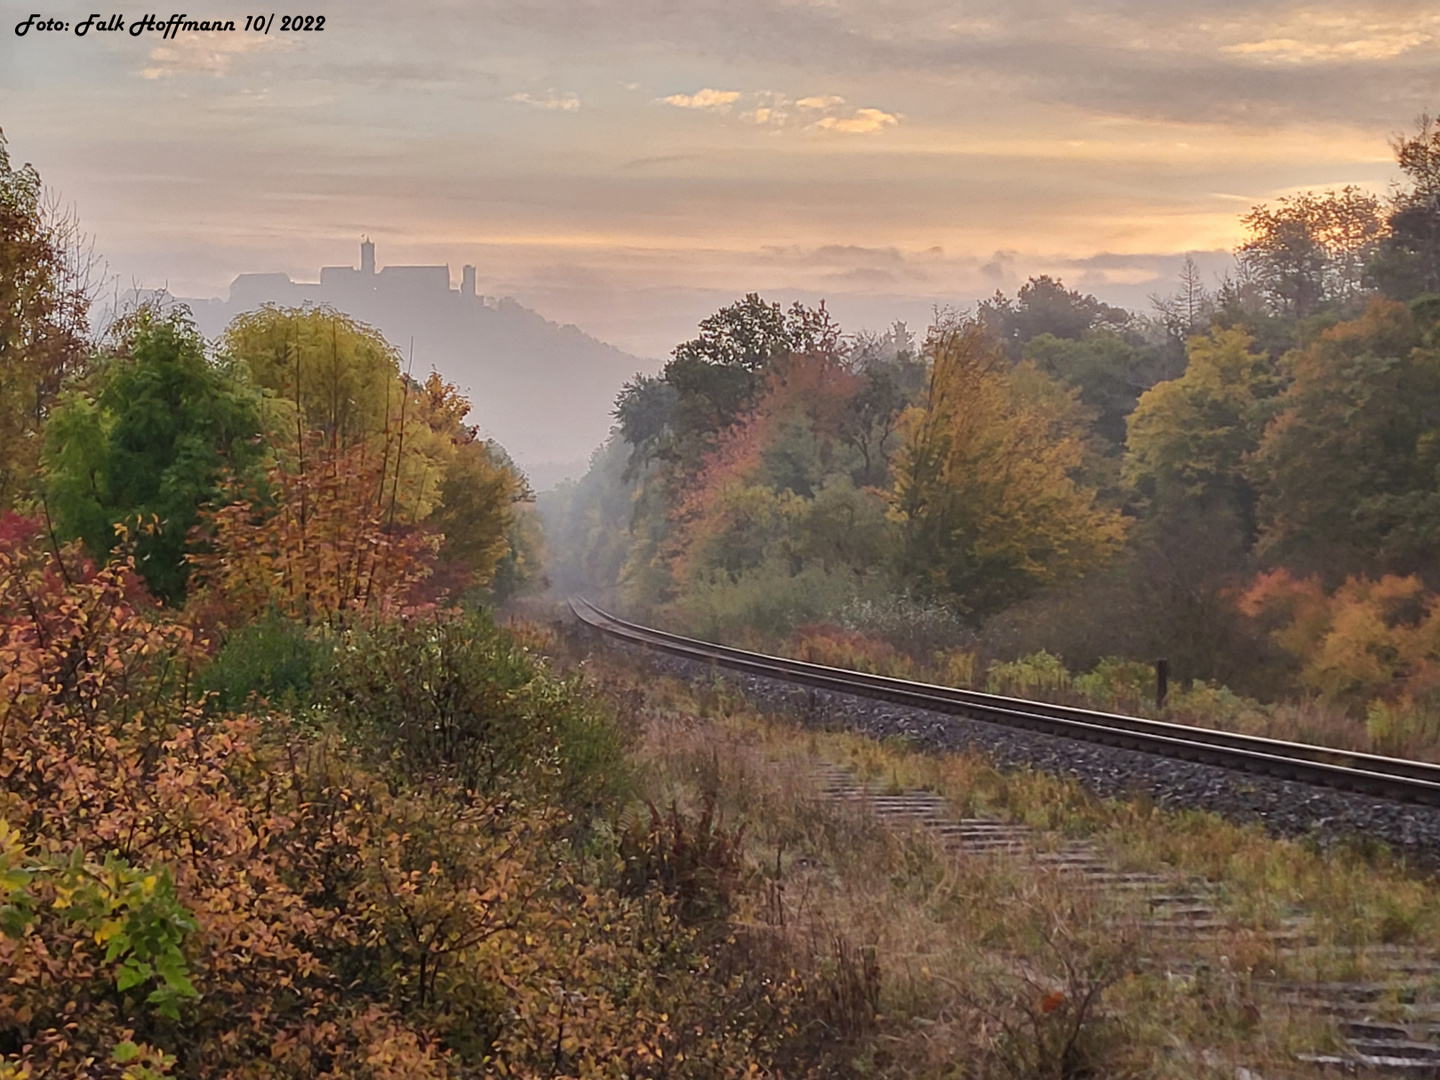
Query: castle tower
pixel 367 256
pixel 467 281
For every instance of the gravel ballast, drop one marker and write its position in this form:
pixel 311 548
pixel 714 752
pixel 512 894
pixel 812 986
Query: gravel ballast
pixel 1285 808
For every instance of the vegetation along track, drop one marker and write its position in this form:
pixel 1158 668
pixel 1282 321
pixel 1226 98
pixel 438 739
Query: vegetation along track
pixel 1414 782
pixel 1386 1022
pixel 1379 999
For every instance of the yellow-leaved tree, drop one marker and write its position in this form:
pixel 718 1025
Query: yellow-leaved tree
pixel 373 470
pixel 332 375
pixel 985 495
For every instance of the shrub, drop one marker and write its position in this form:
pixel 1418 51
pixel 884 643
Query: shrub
pixel 218 897
pixel 835 647
pixel 274 659
pixel 916 627
pixel 450 695
pixel 955 667
pixel 699 864
pixel 1115 682
pixel 1216 706
pixel 769 600
pixel 1402 728
pixel 1038 674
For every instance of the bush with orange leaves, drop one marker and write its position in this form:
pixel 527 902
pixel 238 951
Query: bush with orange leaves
pixel 197 894
pixel 837 647
pixel 325 545
pixel 1366 640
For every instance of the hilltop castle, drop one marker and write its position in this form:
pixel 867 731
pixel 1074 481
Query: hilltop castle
pixel 342 285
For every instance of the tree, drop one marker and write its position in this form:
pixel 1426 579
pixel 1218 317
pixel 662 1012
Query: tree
pixel 893 376
pixel 645 411
pixel 714 378
pixel 476 512
pixel 152 437
pixel 984 496
pixel 1109 372
pixel 318 547
pixel 1313 249
pixel 44 306
pixel 342 376
pixel 1348 469
pixel 1408 262
pixel 1188 438
pixel 1044 306
pixel 332 374
pixel 1188 310
pixel 587 521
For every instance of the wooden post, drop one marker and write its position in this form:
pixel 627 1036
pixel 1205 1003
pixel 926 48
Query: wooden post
pixel 1162 682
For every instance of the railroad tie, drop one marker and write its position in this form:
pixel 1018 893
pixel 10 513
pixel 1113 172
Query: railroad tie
pixel 1390 1028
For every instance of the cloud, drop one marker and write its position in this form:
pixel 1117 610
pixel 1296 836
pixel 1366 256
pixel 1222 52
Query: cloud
pixel 863 122
pixel 203 54
pixel 711 100
pixel 774 109
pixel 553 101
pixel 1292 50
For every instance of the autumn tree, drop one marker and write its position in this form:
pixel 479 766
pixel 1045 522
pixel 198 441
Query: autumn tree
pixel 341 387
pixel 152 437
pixel 1348 469
pixel 1366 639
pixel 331 374
pixel 44 305
pixel 342 376
pixel 711 380
pixel 984 496
pixel 321 546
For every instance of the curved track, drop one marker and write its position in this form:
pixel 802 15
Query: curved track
pixel 1368 774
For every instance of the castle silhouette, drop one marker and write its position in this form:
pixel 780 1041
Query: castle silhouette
pixel 342 285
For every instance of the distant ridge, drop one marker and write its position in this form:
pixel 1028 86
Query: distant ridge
pixel 543 390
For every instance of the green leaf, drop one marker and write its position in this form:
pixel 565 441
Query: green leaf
pixel 132 973
pixel 125 1051
pixel 166 1003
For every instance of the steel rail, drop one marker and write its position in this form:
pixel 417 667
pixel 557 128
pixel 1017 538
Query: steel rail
pixel 1369 774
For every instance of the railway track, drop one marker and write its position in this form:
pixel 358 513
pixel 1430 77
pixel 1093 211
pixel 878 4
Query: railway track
pixel 1415 782
pixel 1388 1022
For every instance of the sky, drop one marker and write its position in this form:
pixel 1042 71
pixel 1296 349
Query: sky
pixel 631 165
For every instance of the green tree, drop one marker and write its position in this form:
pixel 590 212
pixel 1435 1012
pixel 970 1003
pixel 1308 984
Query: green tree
pixel 151 437
pixel 1188 438
pixel 1109 372
pixel 43 320
pixel 1044 306
pixel 1349 471
pixel 984 495
pixel 1408 261
pixel 477 507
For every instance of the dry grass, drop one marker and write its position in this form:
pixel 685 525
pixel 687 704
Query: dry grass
pixel 981 966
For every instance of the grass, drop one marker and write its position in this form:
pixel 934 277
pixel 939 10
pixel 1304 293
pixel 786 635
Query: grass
pixel 979 966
